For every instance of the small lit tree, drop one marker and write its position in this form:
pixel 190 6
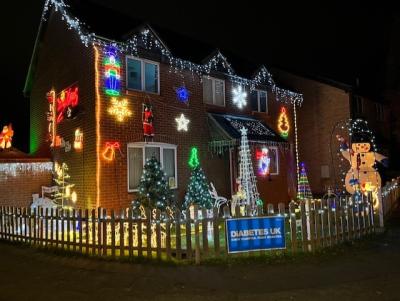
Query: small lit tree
pixel 154 191
pixel 304 191
pixel 198 190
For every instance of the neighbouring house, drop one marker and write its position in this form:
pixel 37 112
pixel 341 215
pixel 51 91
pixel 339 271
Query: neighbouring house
pixel 22 176
pixel 104 100
pixel 329 104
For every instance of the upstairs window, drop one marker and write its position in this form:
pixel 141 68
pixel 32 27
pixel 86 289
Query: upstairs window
pixel 142 75
pixel 380 114
pixel 358 105
pixel 259 101
pixel 214 91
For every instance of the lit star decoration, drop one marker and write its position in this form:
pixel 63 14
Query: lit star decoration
pixel 182 94
pixel 239 97
pixel 182 123
pixel 119 109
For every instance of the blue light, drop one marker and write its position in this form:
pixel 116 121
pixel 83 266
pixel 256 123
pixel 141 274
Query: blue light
pixel 182 94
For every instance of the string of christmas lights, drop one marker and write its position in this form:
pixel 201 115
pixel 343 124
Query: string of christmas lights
pixel 12 169
pixel 146 39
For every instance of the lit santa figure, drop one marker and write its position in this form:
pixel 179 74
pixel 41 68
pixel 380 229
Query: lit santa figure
pixel 263 161
pixel 148 129
pixel 6 137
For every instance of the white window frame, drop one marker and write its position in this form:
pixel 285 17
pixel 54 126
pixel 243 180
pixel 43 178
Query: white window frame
pixel 142 70
pixel 213 80
pixel 161 146
pixel 258 101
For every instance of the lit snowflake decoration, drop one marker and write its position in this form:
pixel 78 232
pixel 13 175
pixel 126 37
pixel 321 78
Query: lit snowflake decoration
pixel 182 123
pixel 239 97
pixel 182 94
pixel 119 108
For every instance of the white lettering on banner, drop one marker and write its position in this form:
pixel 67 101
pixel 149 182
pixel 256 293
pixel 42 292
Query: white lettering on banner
pixel 253 233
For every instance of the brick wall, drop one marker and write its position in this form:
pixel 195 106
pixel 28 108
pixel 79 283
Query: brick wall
pixel 17 189
pixel 324 105
pixel 62 61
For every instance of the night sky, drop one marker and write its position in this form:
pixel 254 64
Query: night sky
pixel 338 40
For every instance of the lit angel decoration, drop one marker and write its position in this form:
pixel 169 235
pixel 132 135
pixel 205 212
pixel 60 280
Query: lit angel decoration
pixel 239 97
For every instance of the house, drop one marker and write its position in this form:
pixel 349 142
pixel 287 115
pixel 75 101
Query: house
pixel 104 99
pixel 330 104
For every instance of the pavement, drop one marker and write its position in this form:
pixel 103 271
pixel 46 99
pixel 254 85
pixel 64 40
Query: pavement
pixel 369 270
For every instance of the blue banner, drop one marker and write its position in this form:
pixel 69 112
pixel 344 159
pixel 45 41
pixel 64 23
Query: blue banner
pixel 255 234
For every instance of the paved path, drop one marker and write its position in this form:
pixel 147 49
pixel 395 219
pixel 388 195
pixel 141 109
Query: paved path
pixel 368 273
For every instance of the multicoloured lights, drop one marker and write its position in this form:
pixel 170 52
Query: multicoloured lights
pixel 263 161
pixel 283 123
pixel 112 72
pixel 66 102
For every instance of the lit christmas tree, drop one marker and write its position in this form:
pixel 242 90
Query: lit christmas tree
pixel 64 187
pixel 283 123
pixel 154 191
pixel 198 188
pixel 246 173
pixel 304 191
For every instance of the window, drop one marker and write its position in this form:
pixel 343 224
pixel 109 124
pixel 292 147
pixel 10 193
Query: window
pixel 380 114
pixel 259 102
pixel 140 151
pixel 358 105
pixel 214 91
pixel 142 75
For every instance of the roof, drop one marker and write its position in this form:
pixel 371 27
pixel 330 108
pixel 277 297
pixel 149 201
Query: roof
pixel 228 126
pixel 14 155
pixel 120 27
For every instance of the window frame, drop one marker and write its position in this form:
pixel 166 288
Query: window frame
pixel 258 101
pixel 143 77
pixel 213 80
pixel 161 146
pixel 277 160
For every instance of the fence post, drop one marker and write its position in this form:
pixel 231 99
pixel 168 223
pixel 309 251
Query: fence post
pixel 178 234
pixel 112 222
pixel 105 233
pixel 168 237
pixel 158 233
pixel 130 234
pixel 216 230
pixel 197 234
pixel 87 231
pixel 148 232
pixel 380 209
pixel 139 235
pixel 293 226
pixel 94 231
pixel 122 233
pixel 80 224
pixel 204 226
pixel 304 226
pixel 311 228
pixel 188 234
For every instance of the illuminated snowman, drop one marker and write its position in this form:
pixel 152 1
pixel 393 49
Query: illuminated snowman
pixel 362 174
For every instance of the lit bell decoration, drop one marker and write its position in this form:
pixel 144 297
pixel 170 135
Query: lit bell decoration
pixel 109 151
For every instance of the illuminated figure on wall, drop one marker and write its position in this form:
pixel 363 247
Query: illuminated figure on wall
pixel 6 137
pixel 112 74
pixel 148 129
pixel 283 123
pixel 263 161
pixel 67 101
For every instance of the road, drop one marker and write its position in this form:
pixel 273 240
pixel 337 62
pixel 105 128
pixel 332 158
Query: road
pixel 367 271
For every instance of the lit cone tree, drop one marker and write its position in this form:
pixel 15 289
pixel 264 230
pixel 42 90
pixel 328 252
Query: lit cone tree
pixel 154 191
pixel 283 123
pixel 198 188
pixel 304 191
pixel 246 173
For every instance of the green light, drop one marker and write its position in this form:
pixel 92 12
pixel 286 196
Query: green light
pixel 194 159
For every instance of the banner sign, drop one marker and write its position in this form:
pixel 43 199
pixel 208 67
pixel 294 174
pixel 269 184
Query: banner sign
pixel 255 234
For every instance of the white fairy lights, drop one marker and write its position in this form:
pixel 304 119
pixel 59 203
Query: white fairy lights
pixel 239 97
pixel 145 38
pixel 182 123
pixel 12 169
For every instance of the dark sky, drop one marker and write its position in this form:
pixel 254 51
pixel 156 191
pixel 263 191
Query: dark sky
pixel 341 41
